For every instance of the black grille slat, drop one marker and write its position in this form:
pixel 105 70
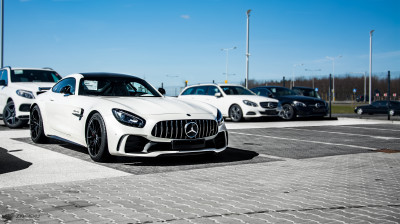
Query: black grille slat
pixel 175 129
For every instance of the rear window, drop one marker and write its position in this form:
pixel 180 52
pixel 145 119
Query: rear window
pixel 26 75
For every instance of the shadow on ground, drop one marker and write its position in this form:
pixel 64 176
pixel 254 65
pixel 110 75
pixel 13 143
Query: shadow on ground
pixel 10 163
pixel 231 156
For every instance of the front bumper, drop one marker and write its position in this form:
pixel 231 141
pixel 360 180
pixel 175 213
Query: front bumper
pixel 261 112
pixel 311 111
pixel 140 142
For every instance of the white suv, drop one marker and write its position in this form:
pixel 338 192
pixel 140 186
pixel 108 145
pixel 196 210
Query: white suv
pixel 18 88
pixel 233 101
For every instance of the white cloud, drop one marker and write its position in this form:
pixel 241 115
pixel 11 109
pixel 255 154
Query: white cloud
pixel 185 16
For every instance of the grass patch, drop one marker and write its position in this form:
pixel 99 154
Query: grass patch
pixel 344 108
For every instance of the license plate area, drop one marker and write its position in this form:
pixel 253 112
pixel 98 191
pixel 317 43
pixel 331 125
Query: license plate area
pixel 182 145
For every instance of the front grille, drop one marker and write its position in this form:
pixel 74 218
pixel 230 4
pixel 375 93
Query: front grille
pixel 175 129
pixel 269 105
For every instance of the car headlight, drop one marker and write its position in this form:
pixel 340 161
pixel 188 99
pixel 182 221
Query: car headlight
pixel 220 118
pixel 250 103
pixel 299 104
pixel 127 118
pixel 25 93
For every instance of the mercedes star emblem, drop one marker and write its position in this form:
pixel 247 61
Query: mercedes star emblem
pixel 191 129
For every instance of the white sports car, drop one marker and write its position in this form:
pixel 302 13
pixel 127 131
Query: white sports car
pixel 122 115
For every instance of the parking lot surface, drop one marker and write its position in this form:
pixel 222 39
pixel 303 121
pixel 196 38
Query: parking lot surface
pixel 306 171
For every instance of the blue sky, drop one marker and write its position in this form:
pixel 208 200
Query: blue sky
pixel 172 41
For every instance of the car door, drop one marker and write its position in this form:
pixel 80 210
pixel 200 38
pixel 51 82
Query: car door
pixel 63 111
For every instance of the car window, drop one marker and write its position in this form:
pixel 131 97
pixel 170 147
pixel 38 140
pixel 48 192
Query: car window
pixel 236 90
pixel 261 92
pixel 281 91
pixel 111 86
pixel 201 90
pixel 189 91
pixel 63 83
pixel 4 76
pixel 28 75
pixel 212 90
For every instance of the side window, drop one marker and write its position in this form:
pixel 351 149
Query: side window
pixel 212 90
pixel 64 83
pixel 4 76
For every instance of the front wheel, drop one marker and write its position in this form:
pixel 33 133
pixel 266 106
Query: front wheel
pixel 235 113
pixel 96 139
pixel 9 117
pixel 288 112
pixel 36 126
pixel 359 111
pixel 391 112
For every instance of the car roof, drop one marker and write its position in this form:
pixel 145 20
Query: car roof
pixel 215 84
pixel 39 69
pixel 270 87
pixel 101 74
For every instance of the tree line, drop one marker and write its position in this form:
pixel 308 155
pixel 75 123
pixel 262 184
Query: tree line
pixel 344 85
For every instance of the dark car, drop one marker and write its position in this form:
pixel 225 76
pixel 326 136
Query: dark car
pixel 306 91
pixel 379 107
pixel 294 105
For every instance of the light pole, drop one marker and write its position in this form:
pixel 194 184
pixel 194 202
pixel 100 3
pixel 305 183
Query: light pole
pixel 2 32
pixel 333 74
pixel 294 66
pixel 370 64
pixel 247 48
pixel 313 70
pixel 227 59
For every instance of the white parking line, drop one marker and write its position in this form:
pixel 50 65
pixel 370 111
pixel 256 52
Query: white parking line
pixel 344 133
pixel 369 128
pixel 308 141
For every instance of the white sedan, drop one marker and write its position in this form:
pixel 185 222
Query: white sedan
pixel 122 115
pixel 233 101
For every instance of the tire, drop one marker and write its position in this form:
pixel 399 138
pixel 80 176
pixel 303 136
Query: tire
pixel 236 113
pixel 36 126
pixel 9 117
pixel 360 111
pixel 96 139
pixel 392 113
pixel 288 112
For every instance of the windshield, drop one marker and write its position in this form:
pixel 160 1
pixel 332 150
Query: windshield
pixel 308 92
pixel 236 90
pixel 24 75
pixel 116 86
pixel 280 91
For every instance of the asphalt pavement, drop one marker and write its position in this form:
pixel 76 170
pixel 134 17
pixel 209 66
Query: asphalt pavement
pixel 304 171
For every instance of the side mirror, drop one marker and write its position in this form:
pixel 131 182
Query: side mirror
pixel 2 82
pixel 161 90
pixel 66 90
pixel 218 95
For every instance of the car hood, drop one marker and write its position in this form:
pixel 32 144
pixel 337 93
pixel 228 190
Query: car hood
pixel 32 86
pixel 304 99
pixel 158 105
pixel 253 98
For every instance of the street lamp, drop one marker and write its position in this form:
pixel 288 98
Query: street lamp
pixel 370 63
pixel 294 66
pixel 313 70
pixel 2 32
pixel 247 48
pixel 227 58
pixel 333 74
